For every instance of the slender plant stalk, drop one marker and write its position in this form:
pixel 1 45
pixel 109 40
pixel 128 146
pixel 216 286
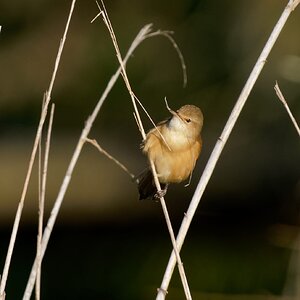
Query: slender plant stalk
pixel 173 240
pixel 37 284
pixel 42 203
pixel 283 101
pixel 107 22
pixel 163 204
pixel 118 163
pixel 141 36
pixel 37 290
pixel 220 144
pixel 168 35
pixel 31 162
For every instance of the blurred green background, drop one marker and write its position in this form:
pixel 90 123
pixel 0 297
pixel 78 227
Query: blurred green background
pixel 107 244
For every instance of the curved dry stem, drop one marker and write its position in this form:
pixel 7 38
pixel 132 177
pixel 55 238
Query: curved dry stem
pixel 283 101
pixel 109 156
pixel 221 143
pixel 168 35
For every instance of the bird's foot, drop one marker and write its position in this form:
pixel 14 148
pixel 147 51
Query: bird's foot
pixel 161 193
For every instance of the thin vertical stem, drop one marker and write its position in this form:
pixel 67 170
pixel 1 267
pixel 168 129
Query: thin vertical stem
pixel 141 128
pixel 210 166
pixel 32 158
pixel 42 202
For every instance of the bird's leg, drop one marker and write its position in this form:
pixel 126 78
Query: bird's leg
pixel 161 193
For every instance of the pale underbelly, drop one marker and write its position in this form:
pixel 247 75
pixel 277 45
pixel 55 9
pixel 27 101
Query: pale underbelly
pixel 172 167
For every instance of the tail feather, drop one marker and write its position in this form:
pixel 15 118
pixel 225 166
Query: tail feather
pixel 146 185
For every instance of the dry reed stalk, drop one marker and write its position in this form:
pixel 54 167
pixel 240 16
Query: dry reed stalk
pixel 32 158
pixel 37 294
pixel 104 152
pixel 292 4
pixel 283 101
pixel 107 22
pixel 42 203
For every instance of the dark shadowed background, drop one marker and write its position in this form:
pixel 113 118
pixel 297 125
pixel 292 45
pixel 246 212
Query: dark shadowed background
pixel 107 244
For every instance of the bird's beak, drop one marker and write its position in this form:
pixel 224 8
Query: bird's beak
pixel 172 112
pixel 175 114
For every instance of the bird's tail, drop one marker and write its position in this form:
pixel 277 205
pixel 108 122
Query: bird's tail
pixel 146 185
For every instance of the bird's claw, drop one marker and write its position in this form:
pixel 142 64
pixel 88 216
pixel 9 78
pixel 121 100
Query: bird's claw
pixel 161 193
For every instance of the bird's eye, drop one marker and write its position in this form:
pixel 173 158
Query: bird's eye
pixel 188 120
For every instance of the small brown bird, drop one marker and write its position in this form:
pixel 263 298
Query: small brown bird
pixel 174 147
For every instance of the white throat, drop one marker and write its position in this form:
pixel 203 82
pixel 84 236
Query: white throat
pixel 177 135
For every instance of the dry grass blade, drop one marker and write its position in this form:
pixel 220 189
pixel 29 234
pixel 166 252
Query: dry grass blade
pixel 168 35
pixel 39 237
pixel 101 150
pixel 167 105
pixel 108 24
pixel 42 203
pixel 221 143
pixel 283 101
pixel 149 117
pixel 32 158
